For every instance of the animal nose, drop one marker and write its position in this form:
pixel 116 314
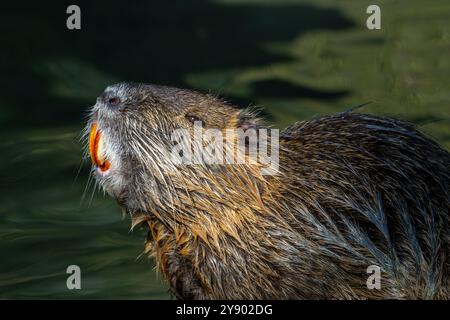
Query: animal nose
pixel 110 99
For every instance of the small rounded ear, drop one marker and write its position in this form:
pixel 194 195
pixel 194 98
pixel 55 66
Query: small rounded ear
pixel 247 120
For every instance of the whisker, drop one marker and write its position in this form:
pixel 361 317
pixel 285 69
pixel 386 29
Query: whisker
pixel 86 189
pixel 94 189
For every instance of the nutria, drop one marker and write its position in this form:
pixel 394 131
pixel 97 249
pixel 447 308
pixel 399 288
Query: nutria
pixel 352 191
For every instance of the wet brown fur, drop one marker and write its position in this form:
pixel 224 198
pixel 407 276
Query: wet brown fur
pixel 353 190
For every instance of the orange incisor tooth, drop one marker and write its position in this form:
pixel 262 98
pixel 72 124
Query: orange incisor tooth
pixel 92 147
pixel 94 143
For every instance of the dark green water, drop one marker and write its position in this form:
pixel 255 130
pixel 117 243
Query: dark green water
pixel 297 59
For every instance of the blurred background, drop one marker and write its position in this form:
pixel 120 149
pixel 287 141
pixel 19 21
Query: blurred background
pixel 296 59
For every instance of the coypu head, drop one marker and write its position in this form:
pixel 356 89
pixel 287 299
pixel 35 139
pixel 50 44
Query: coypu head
pixel 130 142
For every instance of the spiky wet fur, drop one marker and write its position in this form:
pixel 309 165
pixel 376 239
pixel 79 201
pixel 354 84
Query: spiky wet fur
pixel 353 190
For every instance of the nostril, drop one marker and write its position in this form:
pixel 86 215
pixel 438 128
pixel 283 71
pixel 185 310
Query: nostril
pixel 114 101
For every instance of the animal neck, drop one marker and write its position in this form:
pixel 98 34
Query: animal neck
pixel 223 203
pixel 221 208
pixel 231 223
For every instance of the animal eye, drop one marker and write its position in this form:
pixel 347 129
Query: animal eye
pixel 114 101
pixel 192 118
